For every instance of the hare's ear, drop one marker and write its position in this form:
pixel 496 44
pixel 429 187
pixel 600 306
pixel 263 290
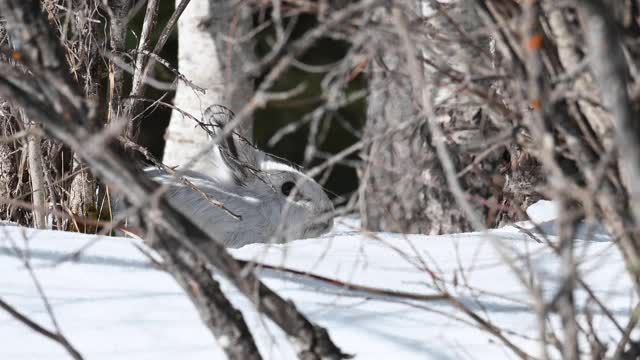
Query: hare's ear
pixel 237 152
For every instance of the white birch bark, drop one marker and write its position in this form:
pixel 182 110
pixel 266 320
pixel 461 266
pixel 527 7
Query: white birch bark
pixel 210 57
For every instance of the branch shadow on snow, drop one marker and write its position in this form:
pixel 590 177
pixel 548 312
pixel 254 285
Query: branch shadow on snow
pixel 586 232
pixel 51 258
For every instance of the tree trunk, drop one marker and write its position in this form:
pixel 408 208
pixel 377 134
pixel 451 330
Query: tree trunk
pixel 211 55
pixel 404 187
pixel 83 200
pixel 36 174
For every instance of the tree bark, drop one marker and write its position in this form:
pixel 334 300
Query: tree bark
pixel 609 66
pixel 118 11
pixel 567 39
pixel 403 183
pixel 36 174
pixel 83 200
pixel 212 55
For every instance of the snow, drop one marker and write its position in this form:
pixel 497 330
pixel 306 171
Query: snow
pixel 111 304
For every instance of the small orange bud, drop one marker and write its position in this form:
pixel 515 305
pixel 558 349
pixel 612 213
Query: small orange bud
pixel 358 69
pixel 536 104
pixel 535 42
pixel 16 55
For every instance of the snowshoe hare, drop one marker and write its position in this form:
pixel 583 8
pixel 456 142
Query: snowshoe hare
pixel 275 202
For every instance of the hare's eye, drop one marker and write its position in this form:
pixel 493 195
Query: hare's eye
pixel 287 187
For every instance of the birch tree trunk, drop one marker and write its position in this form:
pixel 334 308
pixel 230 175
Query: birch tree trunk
pixel 211 55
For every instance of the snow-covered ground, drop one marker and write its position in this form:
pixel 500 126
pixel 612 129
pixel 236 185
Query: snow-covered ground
pixel 112 305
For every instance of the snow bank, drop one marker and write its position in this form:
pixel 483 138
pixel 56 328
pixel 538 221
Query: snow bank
pixel 112 305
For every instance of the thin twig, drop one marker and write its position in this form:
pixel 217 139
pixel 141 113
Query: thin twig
pixel 57 337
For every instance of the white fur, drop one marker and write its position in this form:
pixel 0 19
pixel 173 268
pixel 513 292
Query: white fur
pixel 267 214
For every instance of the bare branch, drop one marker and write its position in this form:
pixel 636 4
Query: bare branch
pixel 609 66
pixel 57 337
